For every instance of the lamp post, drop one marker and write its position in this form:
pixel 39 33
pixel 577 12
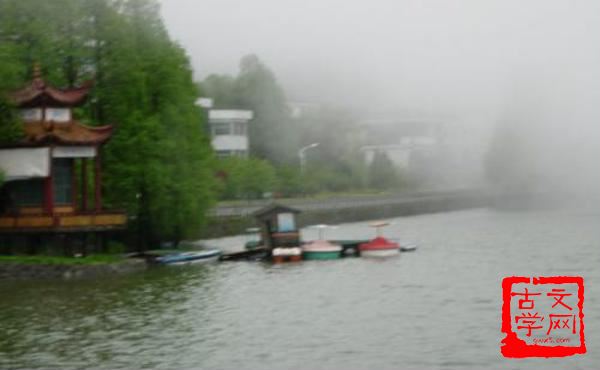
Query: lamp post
pixel 302 155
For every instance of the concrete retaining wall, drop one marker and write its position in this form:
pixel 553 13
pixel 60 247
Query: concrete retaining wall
pixel 402 206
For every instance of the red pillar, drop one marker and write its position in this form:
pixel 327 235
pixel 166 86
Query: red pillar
pixel 84 185
pixel 97 180
pixel 49 194
pixel 73 185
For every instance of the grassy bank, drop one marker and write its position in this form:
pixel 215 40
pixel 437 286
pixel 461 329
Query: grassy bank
pixel 94 259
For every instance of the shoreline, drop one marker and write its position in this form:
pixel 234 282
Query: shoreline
pixel 21 270
pixel 236 221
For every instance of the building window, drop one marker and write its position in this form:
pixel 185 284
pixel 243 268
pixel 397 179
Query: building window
pixel 239 128
pixel 221 128
pixel 223 153
pixel 32 114
pixel 231 153
pixel 25 192
pixel 58 114
pixel 62 174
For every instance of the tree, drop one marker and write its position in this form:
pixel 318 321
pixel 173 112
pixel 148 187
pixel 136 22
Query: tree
pixel 11 128
pixel 247 178
pixel 382 172
pixel 507 162
pixel 159 163
pixel 221 88
pixel 256 88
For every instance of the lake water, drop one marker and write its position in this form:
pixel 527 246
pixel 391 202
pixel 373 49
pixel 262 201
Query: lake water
pixel 436 308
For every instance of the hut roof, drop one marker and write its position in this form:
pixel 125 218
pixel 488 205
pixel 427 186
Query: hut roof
pixel 274 208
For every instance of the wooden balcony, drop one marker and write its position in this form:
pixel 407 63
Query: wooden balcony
pixel 63 222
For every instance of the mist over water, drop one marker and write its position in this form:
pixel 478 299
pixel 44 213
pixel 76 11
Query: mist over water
pixel 479 67
pixel 436 308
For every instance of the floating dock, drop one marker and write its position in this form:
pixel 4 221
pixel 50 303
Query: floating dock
pixel 349 248
pixel 255 254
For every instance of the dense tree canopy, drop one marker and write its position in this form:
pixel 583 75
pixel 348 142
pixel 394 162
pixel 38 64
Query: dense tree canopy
pixel 11 128
pixel 158 164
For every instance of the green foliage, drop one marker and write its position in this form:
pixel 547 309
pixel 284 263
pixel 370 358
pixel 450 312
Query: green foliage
pixel 290 181
pixel 11 128
pixel 93 259
pixel 115 247
pixel 251 178
pixel 158 165
pixel 221 88
pixel 247 178
pixel 382 172
pixel 258 90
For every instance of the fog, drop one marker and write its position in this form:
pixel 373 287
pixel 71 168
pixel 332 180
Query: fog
pixel 531 65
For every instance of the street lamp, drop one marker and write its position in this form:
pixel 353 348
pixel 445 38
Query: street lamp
pixel 302 155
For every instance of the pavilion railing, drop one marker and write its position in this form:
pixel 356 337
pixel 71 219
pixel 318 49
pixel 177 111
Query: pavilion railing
pixel 64 221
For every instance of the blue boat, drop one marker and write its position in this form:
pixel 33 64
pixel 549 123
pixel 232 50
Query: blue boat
pixel 188 258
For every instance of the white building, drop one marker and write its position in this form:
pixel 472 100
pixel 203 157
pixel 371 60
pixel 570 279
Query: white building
pixel 228 129
pixel 404 141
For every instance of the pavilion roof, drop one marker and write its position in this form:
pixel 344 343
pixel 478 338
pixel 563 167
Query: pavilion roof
pixel 38 93
pixel 64 133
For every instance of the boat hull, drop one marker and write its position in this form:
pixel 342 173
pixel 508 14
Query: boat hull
pixel 321 250
pixel 284 259
pixel 408 248
pixel 194 261
pixel 290 254
pixel 190 258
pixel 380 253
pixel 379 247
pixel 321 255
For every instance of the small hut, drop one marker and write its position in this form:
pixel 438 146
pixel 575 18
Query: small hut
pixel 278 226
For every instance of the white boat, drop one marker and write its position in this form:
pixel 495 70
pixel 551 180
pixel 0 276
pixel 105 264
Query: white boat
pixel 321 249
pixel 288 254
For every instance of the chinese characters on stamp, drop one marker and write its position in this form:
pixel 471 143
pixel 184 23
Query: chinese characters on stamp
pixel 542 316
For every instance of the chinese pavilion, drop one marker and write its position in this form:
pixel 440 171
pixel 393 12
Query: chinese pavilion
pixel 48 174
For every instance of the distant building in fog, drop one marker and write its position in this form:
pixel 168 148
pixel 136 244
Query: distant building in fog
pixel 406 142
pixel 301 109
pixel 441 151
pixel 228 129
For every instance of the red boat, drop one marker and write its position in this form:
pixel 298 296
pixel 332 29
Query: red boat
pixel 380 246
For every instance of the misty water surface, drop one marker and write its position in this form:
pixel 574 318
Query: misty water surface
pixel 437 308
